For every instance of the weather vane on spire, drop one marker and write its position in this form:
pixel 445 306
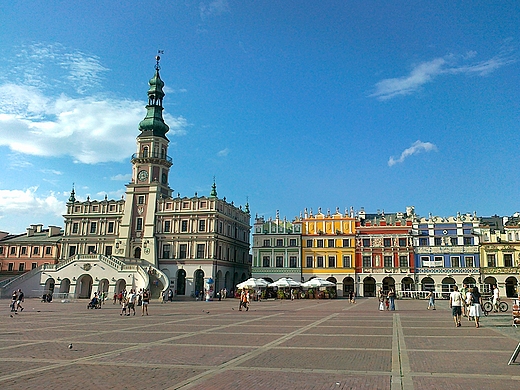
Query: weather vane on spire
pixel 158 58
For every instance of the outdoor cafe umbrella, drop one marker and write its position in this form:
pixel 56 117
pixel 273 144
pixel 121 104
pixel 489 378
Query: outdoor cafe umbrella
pixel 285 282
pixel 252 283
pixel 317 282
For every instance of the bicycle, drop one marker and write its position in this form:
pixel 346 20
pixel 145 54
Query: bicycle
pixel 488 306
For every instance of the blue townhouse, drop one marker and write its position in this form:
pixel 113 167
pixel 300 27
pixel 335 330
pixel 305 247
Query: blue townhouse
pixel 446 252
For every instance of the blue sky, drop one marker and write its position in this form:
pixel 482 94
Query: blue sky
pixel 291 104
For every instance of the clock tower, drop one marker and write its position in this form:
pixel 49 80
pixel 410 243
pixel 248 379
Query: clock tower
pixel 150 169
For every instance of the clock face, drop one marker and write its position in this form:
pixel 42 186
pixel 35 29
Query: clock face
pixel 142 175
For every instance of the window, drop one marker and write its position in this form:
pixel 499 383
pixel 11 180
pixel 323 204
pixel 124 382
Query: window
pixel 403 261
pixel 1 250
pixel 21 267
pixel 423 241
pixel 13 250
pixel 387 242
pixel 112 207
pixel 367 261
pixel 167 226
pixel 266 261
pixel 346 243
pixel 75 228
pixel 467 241
pixel 402 242
pixel 93 227
pixel 332 262
pixel 110 228
pixel 454 241
pixel 387 261
pixel 10 267
pixel 183 251
pixel 279 261
pixel 34 265
pixel 331 243
pixel 36 250
pixel 91 250
pixel 347 262
pixel 108 250
pixel 185 205
pixel 309 243
pixel 139 224
pixel 293 261
pixel 166 251
pixel 319 243
pixel 202 225
pixel 455 261
pixel 184 226
pixel 366 242
pixel 491 261
pixel 279 242
pixel 24 250
pixel 200 251
pixel 425 260
pixel 470 262
pixel 309 261
pixel 72 250
pixel 292 242
pixel 267 243
pixel 140 199
pixel 437 241
pixel 319 261
pixel 508 260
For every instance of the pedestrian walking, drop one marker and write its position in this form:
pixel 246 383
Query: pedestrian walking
pixel 20 299
pixel 465 306
pixel 391 299
pixel 456 305
pixel 146 301
pixel 381 297
pixel 14 298
pixel 352 296
pixel 431 300
pixel 242 300
pixel 496 298
pixel 123 307
pixel 475 309
pixel 131 301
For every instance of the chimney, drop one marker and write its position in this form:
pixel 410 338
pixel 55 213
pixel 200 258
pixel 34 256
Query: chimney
pixel 54 231
pixel 30 231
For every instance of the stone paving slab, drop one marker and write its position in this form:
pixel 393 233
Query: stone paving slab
pixel 304 344
pixel 294 380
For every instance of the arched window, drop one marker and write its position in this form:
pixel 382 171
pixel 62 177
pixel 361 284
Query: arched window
pixel 145 151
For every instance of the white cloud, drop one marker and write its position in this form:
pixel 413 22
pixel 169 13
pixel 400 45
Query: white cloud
pixel 213 8
pixel 29 201
pixel 417 147
pixel 89 129
pixel 122 177
pixel 223 152
pixel 426 72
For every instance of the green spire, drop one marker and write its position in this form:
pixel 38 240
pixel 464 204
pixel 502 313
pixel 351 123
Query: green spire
pixel 213 193
pixel 153 123
pixel 72 197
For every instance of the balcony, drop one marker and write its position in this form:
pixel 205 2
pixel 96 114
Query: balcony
pixel 387 270
pixel 156 158
pixel 500 270
pixel 448 270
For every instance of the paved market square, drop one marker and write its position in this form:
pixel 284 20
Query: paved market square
pixel 301 344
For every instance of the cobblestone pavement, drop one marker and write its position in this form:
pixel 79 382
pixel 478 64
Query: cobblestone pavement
pixel 301 344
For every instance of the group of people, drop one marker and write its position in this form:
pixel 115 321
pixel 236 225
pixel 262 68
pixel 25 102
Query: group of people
pixel 467 303
pixel 386 300
pixel 131 299
pixel 16 300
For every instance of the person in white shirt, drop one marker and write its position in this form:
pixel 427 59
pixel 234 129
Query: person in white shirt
pixel 456 305
pixel 496 298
